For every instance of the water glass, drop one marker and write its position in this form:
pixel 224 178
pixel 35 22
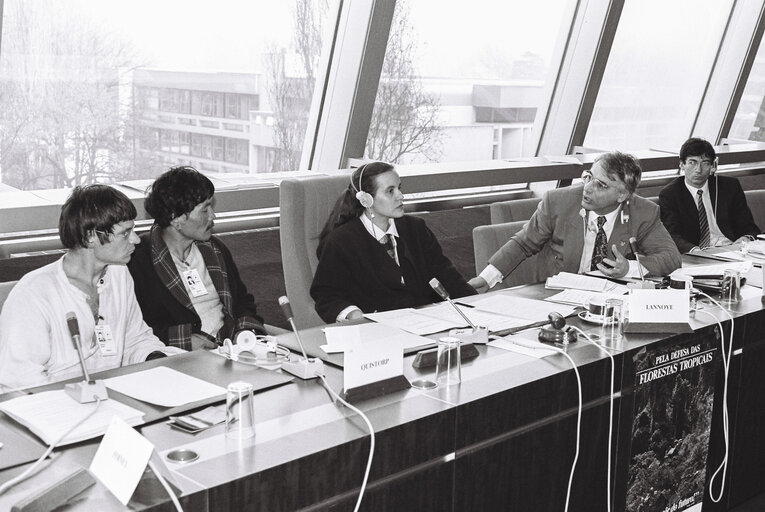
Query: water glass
pixel 613 322
pixel 731 288
pixel 240 411
pixel 448 364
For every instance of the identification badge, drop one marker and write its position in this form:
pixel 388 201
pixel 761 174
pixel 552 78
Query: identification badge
pixel 105 341
pixel 194 282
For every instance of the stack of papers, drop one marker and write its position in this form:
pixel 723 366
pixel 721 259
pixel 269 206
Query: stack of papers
pixel 50 414
pixel 165 387
pixel 565 280
pixel 342 338
pixel 581 297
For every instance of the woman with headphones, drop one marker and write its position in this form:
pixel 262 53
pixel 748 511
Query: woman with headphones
pixel 372 257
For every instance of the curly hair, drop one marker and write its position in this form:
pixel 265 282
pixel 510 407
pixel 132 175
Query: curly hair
pixel 177 192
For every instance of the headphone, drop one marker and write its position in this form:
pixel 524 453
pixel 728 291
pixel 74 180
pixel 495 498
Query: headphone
pixel 365 198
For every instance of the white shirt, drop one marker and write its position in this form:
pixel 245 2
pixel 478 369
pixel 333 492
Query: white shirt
pixel 716 238
pixel 35 345
pixel 378 235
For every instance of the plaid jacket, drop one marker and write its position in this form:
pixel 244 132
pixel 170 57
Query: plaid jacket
pixel 166 305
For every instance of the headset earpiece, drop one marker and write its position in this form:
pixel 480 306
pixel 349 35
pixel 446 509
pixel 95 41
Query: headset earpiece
pixel 365 198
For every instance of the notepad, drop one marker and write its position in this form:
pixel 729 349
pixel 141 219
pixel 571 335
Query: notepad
pixel 50 414
pixel 165 387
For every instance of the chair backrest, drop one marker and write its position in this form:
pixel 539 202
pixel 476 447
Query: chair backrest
pixel 488 239
pixel 5 289
pixel 513 210
pixel 304 206
pixel 756 201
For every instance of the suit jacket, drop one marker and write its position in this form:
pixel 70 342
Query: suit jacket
pixel 556 232
pixel 355 270
pixel 166 305
pixel 681 216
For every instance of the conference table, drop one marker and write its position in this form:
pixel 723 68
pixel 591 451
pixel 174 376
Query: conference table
pixel 503 439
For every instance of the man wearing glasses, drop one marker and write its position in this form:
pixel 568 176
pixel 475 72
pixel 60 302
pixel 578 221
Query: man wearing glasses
pixel 587 227
pixel 700 212
pixel 90 281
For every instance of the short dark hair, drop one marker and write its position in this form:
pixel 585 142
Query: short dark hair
pixel 177 192
pixel 92 208
pixel 624 166
pixel 697 147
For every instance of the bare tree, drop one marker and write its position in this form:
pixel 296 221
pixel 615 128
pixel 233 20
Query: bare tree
pixel 62 122
pixel 291 77
pixel 404 120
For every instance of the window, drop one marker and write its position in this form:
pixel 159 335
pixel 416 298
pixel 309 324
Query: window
pixel 656 73
pixel 465 84
pixel 104 70
pixel 749 122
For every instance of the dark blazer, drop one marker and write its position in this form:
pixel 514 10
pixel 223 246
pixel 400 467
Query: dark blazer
pixel 556 232
pixel 681 217
pixel 166 305
pixel 355 270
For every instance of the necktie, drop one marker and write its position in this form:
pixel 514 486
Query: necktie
pixel 600 250
pixel 703 222
pixel 388 244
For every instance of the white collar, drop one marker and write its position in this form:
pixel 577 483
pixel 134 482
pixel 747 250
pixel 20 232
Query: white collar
pixel 373 230
pixel 694 190
pixel 610 217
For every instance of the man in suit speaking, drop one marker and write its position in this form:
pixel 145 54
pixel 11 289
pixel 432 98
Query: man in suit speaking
pixel 700 212
pixel 587 227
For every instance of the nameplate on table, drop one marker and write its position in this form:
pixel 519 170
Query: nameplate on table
pixel 121 459
pixel 371 361
pixel 658 311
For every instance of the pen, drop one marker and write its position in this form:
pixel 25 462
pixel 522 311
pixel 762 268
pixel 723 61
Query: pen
pixel 463 304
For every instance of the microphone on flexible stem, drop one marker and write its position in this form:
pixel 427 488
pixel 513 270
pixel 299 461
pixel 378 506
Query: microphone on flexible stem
pixel 477 333
pixel 634 247
pixel 305 368
pixel 88 390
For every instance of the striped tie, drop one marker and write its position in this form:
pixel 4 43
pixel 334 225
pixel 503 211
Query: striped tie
pixel 387 242
pixel 600 250
pixel 703 223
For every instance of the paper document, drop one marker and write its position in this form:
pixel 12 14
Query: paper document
pixel 480 317
pixel 413 321
pixel 564 280
pixel 341 338
pixel 506 344
pixel 529 310
pixel 580 297
pixel 165 387
pixel 714 269
pixel 50 414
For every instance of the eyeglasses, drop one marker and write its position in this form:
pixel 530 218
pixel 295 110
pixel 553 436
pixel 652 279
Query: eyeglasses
pixel 124 235
pixel 588 177
pixel 692 165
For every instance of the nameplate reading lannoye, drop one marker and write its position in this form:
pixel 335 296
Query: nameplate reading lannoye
pixel 121 459
pixel 658 311
pixel 368 362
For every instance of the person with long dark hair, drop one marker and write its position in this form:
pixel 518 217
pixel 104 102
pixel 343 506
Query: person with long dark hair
pixel 373 257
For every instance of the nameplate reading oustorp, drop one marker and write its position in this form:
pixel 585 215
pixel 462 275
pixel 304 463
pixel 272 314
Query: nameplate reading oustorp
pixel 368 362
pixel 658 311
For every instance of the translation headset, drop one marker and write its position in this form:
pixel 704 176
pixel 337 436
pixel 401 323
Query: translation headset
pixel 365 198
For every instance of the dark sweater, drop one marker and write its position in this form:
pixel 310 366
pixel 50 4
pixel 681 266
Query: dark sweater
pixel 355 270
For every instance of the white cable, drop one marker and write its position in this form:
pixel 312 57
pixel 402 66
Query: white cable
pixel 166 486
pixel 610 414
pixel 726 368
pixel 23 476
pixel 540 346
pixel 371 437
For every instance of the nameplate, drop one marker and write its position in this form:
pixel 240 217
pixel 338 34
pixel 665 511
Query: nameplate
pixel 121 459
pixel 371 361
pixel 658 311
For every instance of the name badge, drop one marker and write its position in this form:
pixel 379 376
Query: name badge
pixel 105 341
pixel 194 283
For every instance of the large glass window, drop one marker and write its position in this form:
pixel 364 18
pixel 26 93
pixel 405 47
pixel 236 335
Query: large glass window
pixel 110 90
pixel 464 84
pixel 749 122
pixel 656 73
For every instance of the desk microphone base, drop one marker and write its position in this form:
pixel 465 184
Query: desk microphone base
pixel 304 369
pixel 85 391
pixel 375 389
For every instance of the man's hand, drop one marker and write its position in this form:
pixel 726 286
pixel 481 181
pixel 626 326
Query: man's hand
pixel 615 268
pixel 480 284
pixel 199 342
pixel 355 315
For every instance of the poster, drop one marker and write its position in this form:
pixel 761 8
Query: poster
pixel 674 397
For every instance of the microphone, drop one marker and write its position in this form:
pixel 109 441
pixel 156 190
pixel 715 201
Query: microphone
pixel 305 368
pixel 441 291
pixel 634 247
pixel 88 390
